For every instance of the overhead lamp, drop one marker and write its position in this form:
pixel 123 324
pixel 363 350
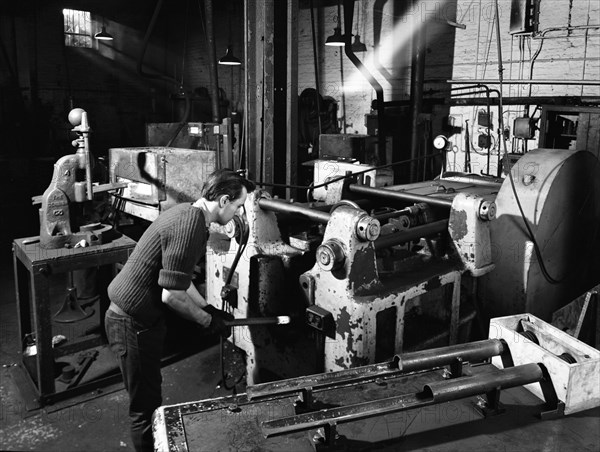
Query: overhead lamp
pixel 102 35
pixel 228 59
pixel 336 39
pixel 357 45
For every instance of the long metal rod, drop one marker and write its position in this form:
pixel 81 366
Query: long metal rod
pixel 399 195
pixel 472 351
pixel 279 320
pixel 407 362
pixel 459 388
pixel 278 205
pixel 417 232
pixel 432 394
pixel 522 81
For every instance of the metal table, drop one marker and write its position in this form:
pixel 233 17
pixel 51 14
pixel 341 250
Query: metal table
pixel 33 269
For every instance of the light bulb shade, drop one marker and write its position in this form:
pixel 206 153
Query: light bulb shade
pixel 336 39
pixel 228 59
pixel 103 35
pixel 358 46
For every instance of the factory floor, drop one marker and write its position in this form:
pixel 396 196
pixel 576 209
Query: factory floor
pixel 98 421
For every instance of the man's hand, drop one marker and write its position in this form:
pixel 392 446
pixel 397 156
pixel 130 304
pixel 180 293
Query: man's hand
pixel 217 323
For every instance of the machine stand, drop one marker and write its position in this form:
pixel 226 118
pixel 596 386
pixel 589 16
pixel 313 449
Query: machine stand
pixel 456 368
pixel 554 408
pixel 306 403
pixel 327 439
pixel 490 406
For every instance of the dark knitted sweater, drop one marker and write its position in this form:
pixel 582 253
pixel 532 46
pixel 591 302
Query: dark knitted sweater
pixel 164 257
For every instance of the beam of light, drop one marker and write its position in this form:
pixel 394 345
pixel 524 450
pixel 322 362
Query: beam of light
pixel 396 45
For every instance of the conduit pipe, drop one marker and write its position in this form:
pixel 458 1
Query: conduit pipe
pixel 348 19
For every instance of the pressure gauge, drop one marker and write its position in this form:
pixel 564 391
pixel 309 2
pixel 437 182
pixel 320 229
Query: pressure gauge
pixel 440 142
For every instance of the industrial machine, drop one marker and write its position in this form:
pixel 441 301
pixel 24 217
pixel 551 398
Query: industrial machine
pixel 361 408
pixel 158 177
pixel 72 185
pixel 367 270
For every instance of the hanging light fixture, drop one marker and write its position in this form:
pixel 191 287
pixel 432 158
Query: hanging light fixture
pixel 103 35
pixel 337 38
pixel 228 59
pixel 358 46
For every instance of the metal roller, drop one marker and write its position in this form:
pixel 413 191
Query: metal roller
pixel 473 351
pixel 411 234
pixel 278 205
pixel 445 391
pixel 399 195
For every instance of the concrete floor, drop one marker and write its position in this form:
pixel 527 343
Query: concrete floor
pixel 97 421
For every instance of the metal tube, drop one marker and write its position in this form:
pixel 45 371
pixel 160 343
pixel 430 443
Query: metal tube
pixel 417 75
pixel 280 320
pixel 521 81
pixel 323 381
pixel 453 389
pixel 435 357
pixel 405 363
pixel 278 205
pixel 212 61
pixel 411 234
pixel 432 394
pixel 381 140
pixel 399 195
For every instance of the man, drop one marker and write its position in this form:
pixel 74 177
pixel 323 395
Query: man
pixel 157 276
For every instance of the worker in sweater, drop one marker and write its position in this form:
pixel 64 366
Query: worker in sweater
pixel 158 276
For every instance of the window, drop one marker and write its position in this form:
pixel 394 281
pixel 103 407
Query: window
pixel 78 28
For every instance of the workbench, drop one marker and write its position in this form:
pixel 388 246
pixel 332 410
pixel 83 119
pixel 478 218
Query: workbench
pixel 236 422
pixel 35 269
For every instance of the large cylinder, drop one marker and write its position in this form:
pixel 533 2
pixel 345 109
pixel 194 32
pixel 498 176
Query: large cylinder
pixel 559 192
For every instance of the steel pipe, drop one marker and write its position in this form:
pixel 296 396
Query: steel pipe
pixel 433 393
pixel 399 195
pixel 411 234
pixel 278 205
pixel 459 388
pixel 435 357
pixel 279 320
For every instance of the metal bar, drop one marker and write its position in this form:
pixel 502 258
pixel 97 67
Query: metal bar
pixel 417 232
pixel 278 205
pixel 323 381
pixel 399 195
pixel 291 175
pixel 435 357
pixel 459 388
pixel 280 320
pixel 433 393
pixel 408 362
pixel 528 82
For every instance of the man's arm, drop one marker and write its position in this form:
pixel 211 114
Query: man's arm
pixel 187 306
pixel 195 295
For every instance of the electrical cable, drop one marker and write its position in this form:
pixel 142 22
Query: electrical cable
pixel 536 246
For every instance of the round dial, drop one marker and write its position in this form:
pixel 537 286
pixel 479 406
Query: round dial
pixel 440 142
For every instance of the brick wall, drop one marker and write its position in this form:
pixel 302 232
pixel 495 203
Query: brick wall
pixel 455 53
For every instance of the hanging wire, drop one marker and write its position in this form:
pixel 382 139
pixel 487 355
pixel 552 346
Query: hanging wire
pixel 530 233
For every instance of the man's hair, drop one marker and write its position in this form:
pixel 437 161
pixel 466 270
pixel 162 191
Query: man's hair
pixel 225 182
